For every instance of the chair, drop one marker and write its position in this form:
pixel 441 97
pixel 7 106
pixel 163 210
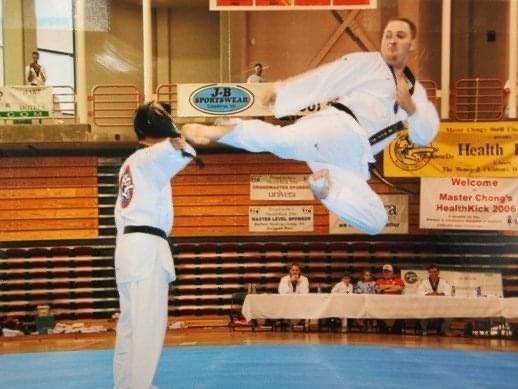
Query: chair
pixel 237 320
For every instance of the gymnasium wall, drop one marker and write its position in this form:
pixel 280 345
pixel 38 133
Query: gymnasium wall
pixel 44 198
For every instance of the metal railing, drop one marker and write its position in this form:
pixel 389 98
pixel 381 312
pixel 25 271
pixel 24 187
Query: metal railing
pixel 113 105
pixel 64 103
pixel 168 93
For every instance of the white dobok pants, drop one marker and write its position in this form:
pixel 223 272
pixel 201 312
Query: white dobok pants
pixel 141 329
pixel 327 139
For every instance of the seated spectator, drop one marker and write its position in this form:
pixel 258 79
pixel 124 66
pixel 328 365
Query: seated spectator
pixel 390 284
pixel 294 281
pixel 435 286
pixel 366 285
pixel 344 287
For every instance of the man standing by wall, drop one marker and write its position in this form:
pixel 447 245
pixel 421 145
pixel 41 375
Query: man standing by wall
pixel 35 73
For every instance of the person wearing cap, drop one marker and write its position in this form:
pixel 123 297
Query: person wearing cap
pixel 143 260
pixel 390 284
pixel 432 286
pixel 344 287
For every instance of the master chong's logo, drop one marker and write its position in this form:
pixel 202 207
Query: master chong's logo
pixel 221 100
pixel 408 156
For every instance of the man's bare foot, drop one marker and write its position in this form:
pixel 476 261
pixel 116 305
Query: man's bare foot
pixel 200 134
pixel 319 183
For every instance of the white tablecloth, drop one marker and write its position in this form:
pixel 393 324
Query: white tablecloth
pixel 510 308
pixel 318 306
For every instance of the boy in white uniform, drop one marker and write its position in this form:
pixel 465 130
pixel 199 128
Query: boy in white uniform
pixel 372 94
pixel 344 287
pixel 143 260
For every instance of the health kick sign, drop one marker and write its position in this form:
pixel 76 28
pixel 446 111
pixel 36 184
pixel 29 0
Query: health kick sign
pixel 469 203
pixel 461 149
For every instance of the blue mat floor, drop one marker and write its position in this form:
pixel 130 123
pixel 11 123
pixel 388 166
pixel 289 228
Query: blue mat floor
pixel 272 366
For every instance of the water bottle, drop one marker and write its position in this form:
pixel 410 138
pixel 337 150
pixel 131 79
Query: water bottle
pixel 479 291
pixel 319 289
pixel 453 290
pixel 254 289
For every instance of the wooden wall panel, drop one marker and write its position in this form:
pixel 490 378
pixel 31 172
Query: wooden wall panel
pixel 48 198
pixel 214 201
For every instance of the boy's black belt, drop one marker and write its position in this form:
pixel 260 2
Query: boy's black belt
pixel 146 230
pixel 381 134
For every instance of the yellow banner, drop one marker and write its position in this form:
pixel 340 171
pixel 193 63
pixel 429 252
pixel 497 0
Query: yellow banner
pixel 465 149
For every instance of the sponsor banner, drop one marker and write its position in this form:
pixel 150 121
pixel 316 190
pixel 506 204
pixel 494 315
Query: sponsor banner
pixel 219 100
pixel 25 102
pixel 292 5
pixel 467 284
pixel 280 187
pixel 280 219
pixel 469 203
pixel 397 211
pixel 468 149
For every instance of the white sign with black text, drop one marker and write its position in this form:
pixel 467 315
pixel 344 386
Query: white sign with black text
pixel 466 284
pixel 280 187
pixel 469 203
pixel 396 206
pixel 281 218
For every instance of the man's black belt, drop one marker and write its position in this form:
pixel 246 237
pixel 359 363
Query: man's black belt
pixel 146 230
pixel 386 132
pixel 343 108
pixel 381 134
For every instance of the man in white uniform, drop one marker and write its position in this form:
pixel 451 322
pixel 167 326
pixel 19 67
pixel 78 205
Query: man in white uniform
pixel 143 260
pixel 294 282
pixel 435 286
pixel 371 94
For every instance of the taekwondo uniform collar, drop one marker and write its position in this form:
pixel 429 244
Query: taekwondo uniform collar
pixel 199 162
pixel 410 77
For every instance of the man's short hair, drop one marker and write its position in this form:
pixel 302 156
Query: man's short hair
pixel 411 24
pixel 432 266
pixel 295 264
pixel 36 52
pixel 258 64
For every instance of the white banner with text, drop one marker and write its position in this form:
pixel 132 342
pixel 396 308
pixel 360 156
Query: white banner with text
pixel 466 284
pixel 280 187
pixel 397 210
pixel 469 203
pixel 281 218
pixel 25 102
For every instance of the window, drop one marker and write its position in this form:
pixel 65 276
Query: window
pixel 55 40
pixel 2 81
